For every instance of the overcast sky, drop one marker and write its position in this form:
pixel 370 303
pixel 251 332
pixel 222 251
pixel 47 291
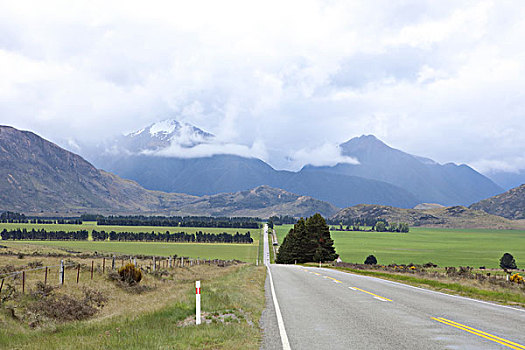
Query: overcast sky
pixel 287 79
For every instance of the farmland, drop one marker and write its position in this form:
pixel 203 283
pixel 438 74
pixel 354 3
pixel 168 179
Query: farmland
pixel 243 252
pixel 445 247
pixel 90 226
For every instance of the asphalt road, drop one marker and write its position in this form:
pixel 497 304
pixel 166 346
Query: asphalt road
pixel 327 309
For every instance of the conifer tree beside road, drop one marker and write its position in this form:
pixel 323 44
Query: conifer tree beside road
pixel 308 241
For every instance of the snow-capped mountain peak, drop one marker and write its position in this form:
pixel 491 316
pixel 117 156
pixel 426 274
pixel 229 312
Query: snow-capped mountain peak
pixel 164 127
pixel 162 134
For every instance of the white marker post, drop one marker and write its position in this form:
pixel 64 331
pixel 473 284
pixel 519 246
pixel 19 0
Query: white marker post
pixel 61 272
pixel 198 302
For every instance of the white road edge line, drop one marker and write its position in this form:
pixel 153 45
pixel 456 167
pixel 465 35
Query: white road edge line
pixel 433 291
pixel 280 322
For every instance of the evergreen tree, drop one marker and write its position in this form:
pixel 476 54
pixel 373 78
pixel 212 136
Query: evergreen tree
pixel 308 241
pixel 370 260
pixel 507 262
pixel 322 243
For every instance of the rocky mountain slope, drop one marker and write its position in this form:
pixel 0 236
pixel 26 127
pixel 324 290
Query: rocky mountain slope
pixel 263 201
pixel 38 176
pixel 510 205
pixel 446 217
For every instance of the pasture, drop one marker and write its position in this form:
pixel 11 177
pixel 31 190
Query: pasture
pixel 224 251
pixel 90 226
pixel 243 252
pixel 444 247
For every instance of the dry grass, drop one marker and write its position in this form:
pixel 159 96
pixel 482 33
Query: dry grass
pixel 170 296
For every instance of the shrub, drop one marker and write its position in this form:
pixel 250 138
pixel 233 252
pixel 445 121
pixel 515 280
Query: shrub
pixel 65 307
pixel 130 274
pixel 35 264
pixel 42 290
pixel 507 262
pixel 370 260
pixel 516 278
pixel 430 264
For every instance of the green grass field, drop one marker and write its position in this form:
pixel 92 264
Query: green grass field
pixel 445 247
pixel 90 226
pixel 243 252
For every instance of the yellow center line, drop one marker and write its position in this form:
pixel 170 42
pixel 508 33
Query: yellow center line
pixel 378 296
pixel 479 333
pixel 333 279
pixel 315 273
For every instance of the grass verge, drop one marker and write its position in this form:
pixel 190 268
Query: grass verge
pixel 153 320
pixel 503 297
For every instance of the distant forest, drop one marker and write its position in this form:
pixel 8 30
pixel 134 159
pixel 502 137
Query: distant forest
pixel 17 218
pixel 281 220
pixel 139 220
pixel 82 235
pixel 175 221
pixel 373 224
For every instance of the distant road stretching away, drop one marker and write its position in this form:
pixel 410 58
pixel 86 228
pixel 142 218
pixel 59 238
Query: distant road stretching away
pixel 328 309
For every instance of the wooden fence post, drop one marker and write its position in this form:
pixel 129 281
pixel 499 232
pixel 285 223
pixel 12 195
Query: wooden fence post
pixel 2 285
pixel 45 277
pixel 78 272
pixel 23 282
pixel 103 265
pixel 113 263
pixel 92 263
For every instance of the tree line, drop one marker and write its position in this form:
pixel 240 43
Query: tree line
pixel 358 221
pixel 17 218
pixel 281 220
pixel 43 235
pixel 379 226
pixel 82 235
pixel 174 221
pixel 198 237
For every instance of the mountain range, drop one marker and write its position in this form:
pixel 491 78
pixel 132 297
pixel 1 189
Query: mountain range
pixel 383 175
pixel 39 176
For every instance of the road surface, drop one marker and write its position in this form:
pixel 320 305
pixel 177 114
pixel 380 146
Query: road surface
pixel 328 309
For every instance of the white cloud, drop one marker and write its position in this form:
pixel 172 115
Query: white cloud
pixel 444 80
pixel 328 154
pixel 493 166
pixel 176 149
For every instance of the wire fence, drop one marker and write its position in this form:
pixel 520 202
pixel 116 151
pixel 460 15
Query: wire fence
pixel 84 269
